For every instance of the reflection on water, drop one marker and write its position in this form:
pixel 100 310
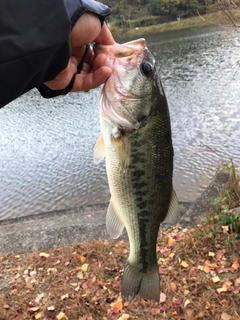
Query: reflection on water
pixel 46 146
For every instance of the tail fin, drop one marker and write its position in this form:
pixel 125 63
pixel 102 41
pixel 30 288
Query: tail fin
pixel 146 285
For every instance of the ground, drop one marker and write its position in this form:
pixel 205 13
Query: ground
pixel 199 270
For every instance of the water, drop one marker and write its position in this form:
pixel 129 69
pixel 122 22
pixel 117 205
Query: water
pixel 46 146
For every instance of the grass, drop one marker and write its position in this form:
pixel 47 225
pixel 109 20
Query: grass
pixel 199 270
pixel 216 18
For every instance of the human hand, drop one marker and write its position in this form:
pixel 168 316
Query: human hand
pixel 87 29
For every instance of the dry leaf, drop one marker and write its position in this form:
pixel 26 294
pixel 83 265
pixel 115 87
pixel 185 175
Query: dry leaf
pixel 211 254
pixel 44 254
pixel 65 296
pixel 173 287
pixel 124 316
pixel 184 264
pixel 215 279
pixel 225 316
pixel 81 258
pixel 235 265
pixel 220 290
pixel 6 306
pixel 85 267
pixel 38 316
pixel 61 316
pixel 171 242
pixel 206 269
pixel 39 297
pixel 155 311
pixel 51 308
pixel 117 306
pixel 163 297
pixel 33 309
pixel 237 281
pixel 186 303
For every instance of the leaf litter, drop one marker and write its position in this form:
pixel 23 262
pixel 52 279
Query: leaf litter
pixel 199 271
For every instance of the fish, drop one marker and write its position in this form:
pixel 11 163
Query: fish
pixel 136 142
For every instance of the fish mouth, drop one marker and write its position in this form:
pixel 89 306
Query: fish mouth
pixel 128 56
pixel 121 50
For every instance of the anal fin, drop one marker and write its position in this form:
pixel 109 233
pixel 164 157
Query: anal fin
pixel 114 224
pixel 173 214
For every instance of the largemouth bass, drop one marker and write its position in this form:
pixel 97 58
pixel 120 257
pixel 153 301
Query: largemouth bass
pixel 137 144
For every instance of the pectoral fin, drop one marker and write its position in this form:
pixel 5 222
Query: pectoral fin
pixel 99 150
pixel 120 147
pixel 113 223
pixel 173 214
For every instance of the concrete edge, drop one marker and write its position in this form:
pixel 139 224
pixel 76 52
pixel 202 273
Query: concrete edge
pixel 54 229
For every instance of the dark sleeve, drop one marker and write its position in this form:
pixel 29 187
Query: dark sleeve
pixel 34 44
pixel 34 41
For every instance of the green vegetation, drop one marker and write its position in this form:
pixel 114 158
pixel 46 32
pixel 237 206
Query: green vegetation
pixel 223 215
pixel 129 15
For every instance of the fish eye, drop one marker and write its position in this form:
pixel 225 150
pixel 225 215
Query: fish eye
pixel 146 69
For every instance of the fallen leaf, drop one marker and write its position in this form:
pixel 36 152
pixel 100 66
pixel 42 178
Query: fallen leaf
pixel 124 316
pixel 173 286
pixel 206 269
pixel 186 303
pixel 163 297
pixel 39 297
pixel 184 264
pixel 81 258
pixel 225 316
pixel 38 316
pixel 235 265
pixel 155 311
pixel 117 306
pixel 33 309
pixel 6 306
pixel 61 316
pixel 65 296
pixel 211 254
pixel 171 242
pixel 186 292
pixel 171 255
pixel 220 290
pixel 85 267
pixel 51 308
pixel 215 279
pixel 44 254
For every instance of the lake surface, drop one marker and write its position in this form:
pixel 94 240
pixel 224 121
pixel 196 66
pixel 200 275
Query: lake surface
pixel 46 146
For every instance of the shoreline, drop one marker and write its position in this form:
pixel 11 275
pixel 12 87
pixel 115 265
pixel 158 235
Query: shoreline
pixel 216 19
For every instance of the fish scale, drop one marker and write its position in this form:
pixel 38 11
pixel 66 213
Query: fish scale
pixel 137 145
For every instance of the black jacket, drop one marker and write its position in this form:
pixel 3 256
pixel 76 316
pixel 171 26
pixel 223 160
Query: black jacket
pixel 35 41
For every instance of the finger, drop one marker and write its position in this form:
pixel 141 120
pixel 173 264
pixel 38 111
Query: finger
pixel 105 36
pixel 78 53
pixel 85 68
pixel 86 82
pixel 99 61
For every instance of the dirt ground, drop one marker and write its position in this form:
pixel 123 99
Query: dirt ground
pixel 199 270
